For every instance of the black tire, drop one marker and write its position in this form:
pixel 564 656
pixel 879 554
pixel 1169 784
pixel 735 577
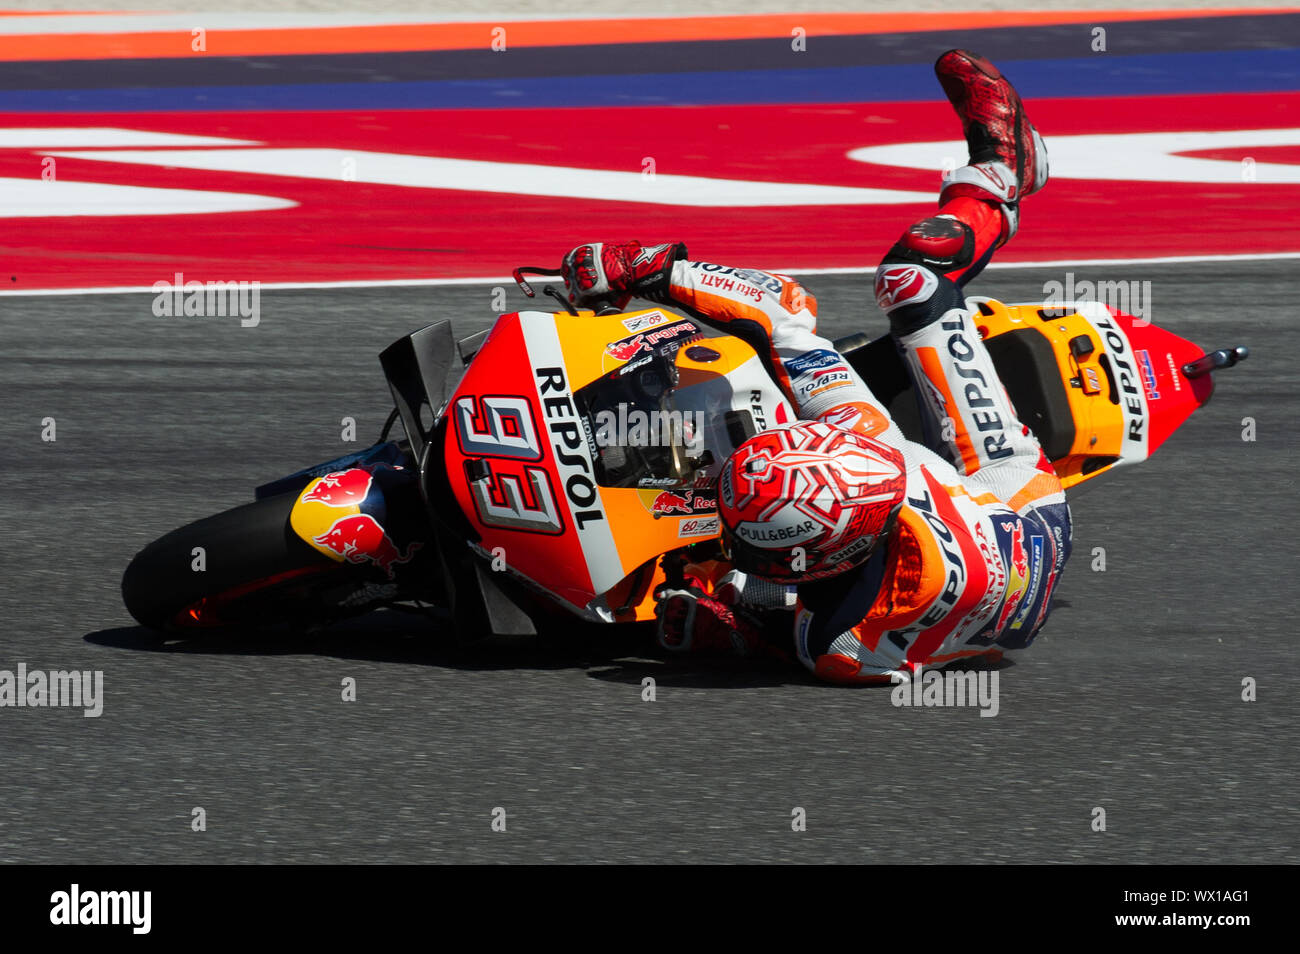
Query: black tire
pixel 257 571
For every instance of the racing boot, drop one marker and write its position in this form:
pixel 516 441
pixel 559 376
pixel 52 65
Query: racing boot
pixel 1008 160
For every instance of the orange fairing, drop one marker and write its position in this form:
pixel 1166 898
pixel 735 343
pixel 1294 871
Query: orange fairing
pixel 521 464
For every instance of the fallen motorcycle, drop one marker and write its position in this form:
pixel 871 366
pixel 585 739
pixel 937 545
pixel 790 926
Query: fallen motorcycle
pixel 562 473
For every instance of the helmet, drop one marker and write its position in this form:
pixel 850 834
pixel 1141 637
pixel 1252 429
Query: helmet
pixel 808 500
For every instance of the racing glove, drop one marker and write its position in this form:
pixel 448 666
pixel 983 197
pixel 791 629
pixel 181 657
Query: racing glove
pixel 600 272
pixel 689 619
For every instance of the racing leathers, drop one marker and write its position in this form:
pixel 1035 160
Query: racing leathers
pixel 984 532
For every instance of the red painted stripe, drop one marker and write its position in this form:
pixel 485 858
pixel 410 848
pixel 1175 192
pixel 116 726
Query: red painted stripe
pixel 343 231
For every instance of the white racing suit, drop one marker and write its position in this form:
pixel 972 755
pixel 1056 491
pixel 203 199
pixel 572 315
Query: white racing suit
pixel 984 532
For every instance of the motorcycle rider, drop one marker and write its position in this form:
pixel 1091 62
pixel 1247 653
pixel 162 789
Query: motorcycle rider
pixel 896 555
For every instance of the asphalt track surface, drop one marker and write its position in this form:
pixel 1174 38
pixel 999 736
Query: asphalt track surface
pixel 1130 701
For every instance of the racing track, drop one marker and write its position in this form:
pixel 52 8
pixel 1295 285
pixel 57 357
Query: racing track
pixel 1130 701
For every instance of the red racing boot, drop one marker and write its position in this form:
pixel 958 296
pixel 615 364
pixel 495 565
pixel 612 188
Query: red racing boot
pixel 1008 160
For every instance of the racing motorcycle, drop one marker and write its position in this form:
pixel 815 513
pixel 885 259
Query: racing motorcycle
pixel 562 465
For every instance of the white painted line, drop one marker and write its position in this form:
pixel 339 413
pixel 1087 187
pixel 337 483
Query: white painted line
pixel 516 178
pixel 78 137
pixel 509 281
pixel 40 198
pixel 1127 157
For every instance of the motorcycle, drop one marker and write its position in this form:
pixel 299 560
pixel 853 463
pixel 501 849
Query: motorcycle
pixel 559 467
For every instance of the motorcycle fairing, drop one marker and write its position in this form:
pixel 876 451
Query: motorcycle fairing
pixel 1099 388
pixel 520 452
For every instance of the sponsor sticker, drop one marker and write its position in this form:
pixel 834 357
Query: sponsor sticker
pixel 645 342
pixel 818 382
pixel 682 503
pixel 1036 577
pixel 698 527
pixel 1148 370
pixel 812 361
pixel 648 320
pixel 768 536
pixel 342 488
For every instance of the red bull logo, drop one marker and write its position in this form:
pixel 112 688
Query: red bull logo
pixel 690 503
pixel 1019 561
pixel 342 488
pixel 667 502
pixel 677 335
pixel 360 539
pixel 1018 571
pixel 1009 607
pixel 627 350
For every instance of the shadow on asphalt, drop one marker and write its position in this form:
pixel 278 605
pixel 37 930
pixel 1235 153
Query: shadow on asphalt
pixel 626 655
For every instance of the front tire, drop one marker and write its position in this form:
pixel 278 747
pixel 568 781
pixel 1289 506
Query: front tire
pixel 255 571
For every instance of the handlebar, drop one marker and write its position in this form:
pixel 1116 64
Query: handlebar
pixel 603 306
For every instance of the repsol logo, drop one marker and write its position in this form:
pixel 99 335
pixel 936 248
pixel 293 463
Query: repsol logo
pixel 570 445
pixel 1126 377
pixel 756 410
pixel 977 390
pixel 951 552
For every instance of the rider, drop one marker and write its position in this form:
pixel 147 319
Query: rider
pixel 893 555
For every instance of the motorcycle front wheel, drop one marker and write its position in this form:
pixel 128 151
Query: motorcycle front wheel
pixel 244 567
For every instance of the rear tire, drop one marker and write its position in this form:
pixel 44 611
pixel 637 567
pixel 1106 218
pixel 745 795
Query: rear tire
pixel 256 571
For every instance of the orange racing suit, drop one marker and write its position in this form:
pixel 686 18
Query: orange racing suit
pixel 984 531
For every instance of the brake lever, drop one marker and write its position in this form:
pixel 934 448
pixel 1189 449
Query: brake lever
pixel 527 288
pixel 550 290
pixel 532 270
